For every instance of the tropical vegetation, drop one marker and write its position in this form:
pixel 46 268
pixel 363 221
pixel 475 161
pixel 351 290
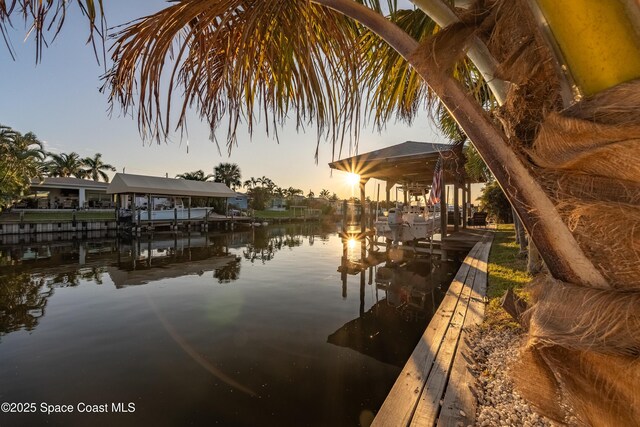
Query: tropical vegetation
pixel 229 174
pixel 21 160
pixel 198 175
pixel 24 159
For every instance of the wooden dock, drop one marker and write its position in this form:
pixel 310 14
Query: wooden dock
pixel 435 386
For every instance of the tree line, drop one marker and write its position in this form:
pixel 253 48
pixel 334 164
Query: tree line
pixel 261 191
pixel 23 158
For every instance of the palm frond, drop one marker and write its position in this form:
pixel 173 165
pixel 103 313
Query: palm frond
pixel 48 17
pixel 236 61
pixel 394 89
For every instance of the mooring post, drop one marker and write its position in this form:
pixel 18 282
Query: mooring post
pixel 456 207
pixel 344 216
pixel 464 206
pixel 443 209
pixel 363 211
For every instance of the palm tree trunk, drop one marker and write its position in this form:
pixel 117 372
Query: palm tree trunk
pixel 534 264
pixel 564 258
pixel 521 237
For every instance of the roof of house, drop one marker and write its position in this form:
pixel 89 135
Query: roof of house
pixel 68 182
pixel 128 183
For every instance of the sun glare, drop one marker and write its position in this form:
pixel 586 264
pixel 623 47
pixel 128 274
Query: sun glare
pixel 353 179
pixel 352 243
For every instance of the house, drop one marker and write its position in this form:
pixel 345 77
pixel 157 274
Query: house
pixel 238 201
pixel 67 193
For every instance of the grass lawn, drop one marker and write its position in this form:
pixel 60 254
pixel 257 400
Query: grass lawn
pixel 93 216
pixel 48 216
pixel 506 270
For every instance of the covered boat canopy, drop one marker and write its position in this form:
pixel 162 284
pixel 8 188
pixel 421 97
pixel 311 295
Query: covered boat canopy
pixel 142 184
pixel 410 163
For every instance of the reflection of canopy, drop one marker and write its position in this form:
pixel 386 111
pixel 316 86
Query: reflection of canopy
pixel 127 184
pixel 380 333
pixel 122 278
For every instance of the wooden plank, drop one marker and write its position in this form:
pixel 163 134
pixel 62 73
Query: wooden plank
pixel 460 402
pixel 398 407
pixel 428 408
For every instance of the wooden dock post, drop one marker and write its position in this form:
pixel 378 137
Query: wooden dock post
pixel 363 210
pixel 456 207
pixel 443 209
pixel 344 216
pixel 465 213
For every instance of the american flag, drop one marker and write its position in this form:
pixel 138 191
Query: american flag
pixel 434 195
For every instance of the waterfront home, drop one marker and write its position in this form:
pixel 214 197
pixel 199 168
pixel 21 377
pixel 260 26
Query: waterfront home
pixel 66 193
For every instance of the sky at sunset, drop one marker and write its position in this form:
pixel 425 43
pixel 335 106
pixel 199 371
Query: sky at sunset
pixel 59 100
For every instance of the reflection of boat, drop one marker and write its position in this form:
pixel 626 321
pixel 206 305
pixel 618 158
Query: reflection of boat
pixel 40 253
pixel 407 225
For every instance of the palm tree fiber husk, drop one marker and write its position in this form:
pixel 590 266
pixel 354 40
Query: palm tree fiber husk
pixel 609 234
pixel 581 363
pixel 514 40
pixel 605 321
pixel 577 185
pixel 600 136
pixel 590 389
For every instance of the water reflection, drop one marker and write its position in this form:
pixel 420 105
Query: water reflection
pixel 33 266
pixel 407 295
pixel 22 302
pixel 188 322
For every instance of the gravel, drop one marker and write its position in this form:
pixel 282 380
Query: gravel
pixel 498 403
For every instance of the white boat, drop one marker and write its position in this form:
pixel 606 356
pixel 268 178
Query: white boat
pixel 412 223
pixel 170 214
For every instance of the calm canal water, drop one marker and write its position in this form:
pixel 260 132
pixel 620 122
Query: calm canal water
pixel 273 326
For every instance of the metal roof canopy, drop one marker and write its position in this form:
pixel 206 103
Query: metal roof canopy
pixel 142 184
pixel 410 163
pixel 68 183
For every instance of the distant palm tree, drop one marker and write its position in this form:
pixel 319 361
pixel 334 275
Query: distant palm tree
pixel 65 165
pixel 279 192
pixel 195 176
pixel 229 173
pixel 324 194
pixel 264 181
pixel 291 192
pixel 95 168
pixel 311 194
pixel 250 183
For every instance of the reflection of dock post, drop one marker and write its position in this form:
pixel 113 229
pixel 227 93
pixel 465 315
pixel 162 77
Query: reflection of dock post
pixel 362 279
pixel 343 272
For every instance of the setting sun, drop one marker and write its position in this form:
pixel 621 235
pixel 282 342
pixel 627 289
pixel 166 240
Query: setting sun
pixel 353 179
